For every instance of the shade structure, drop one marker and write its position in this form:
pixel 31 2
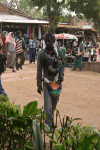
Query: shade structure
pixel 65 36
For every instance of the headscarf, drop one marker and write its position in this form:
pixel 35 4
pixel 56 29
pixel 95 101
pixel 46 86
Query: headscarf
pixel 10 39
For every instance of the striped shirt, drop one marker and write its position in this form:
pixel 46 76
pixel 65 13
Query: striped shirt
pixel 19 47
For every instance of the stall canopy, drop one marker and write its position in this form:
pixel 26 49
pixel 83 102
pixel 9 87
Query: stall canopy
pixel 65 36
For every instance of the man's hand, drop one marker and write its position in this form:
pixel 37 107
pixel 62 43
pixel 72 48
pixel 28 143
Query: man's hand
pixel 39 90
pixel 82 53
pixel 61 79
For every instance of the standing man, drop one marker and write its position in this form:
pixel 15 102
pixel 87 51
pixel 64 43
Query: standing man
pixel 79 54
pixel 20 45
pixel 32 49
pixel 50 60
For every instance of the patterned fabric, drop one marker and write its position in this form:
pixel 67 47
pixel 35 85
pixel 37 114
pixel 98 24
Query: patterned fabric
pixel 19 47
pixel 63 50
pixel 54 63
pixel 54 88
pixel 32 43
pixel 19 44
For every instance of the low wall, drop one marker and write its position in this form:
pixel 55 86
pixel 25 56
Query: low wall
pixel 91 66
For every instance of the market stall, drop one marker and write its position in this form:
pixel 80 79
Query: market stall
pixel 64 36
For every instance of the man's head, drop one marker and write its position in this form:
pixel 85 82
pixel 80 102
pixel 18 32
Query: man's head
pixel 88 38
pixel 49 40
pixel 24 36
pixel 19 34
pixel 32 36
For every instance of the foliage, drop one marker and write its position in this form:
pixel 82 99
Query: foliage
pixel 90 9
pixel 76 138
pixel 16 129
pixel 65 19
pixel 52 9
pixel 23 5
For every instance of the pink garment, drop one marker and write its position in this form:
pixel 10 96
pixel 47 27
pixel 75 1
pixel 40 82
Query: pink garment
pixel 98 55
pixel 10 39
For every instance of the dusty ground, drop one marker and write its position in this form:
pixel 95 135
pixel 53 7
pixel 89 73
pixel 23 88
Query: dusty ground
pixel 80 97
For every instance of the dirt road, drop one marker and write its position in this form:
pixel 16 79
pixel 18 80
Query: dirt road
pixel 80 97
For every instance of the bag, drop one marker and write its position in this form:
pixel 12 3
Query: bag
pixel 54 88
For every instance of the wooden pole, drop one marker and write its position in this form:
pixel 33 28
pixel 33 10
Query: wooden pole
pixel 1 28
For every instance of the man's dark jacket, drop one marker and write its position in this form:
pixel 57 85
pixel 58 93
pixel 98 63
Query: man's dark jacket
pixel 42 64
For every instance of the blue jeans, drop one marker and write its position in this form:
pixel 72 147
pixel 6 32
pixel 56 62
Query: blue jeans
pixel 1 88
pixel 50 104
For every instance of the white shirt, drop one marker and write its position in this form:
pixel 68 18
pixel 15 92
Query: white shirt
pixel 86 54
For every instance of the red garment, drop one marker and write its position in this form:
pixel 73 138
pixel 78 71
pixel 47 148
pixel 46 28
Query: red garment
pixel 3 40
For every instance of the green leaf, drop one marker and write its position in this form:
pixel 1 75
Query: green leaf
pixel 30 109
pixel 75 119
pixel 54 141
pixel 86 142
pixel 30 145
pixel 57 134
pixel 58 146
pixel 63 147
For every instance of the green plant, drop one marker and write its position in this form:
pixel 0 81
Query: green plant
pixel 76 137
pixel 16 129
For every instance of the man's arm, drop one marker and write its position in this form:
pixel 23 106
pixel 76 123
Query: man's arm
pixel 61 73
pixel 39 69
pixel 39 73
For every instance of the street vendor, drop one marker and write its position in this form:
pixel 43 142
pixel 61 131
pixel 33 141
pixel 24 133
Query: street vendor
pixel 51 62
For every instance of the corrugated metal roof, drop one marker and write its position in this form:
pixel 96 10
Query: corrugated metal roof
pixel 12 17
pixel 18 19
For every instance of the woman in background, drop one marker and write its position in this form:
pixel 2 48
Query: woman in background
pixel 10 51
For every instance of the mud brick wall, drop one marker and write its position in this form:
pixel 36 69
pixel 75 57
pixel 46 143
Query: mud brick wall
pixel 91 66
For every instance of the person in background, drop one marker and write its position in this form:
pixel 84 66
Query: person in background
pixel 32 49
pixel 50 61
pixel 86 56
pixel 89 47
pixel 98 52
pixel 78 55
pixel 1 43
pixel 10 51
pixel 3 40
pixel 63 50
pixel 26 40
pixel 2 63
pixel 43 43
pixel 20 45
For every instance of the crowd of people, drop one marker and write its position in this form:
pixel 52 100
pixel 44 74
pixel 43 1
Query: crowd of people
pixel 50 68
pixel 50 63
pixel 13 49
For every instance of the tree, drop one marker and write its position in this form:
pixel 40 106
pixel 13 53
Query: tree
pixel 52 9
pixel 89 8
pixel 23 5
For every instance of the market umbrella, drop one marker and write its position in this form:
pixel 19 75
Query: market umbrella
pixel 65 36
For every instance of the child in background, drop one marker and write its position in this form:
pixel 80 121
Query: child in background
pixel 2 63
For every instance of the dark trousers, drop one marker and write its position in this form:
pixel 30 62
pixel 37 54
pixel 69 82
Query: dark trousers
pixel 85 59
pixel 22 59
